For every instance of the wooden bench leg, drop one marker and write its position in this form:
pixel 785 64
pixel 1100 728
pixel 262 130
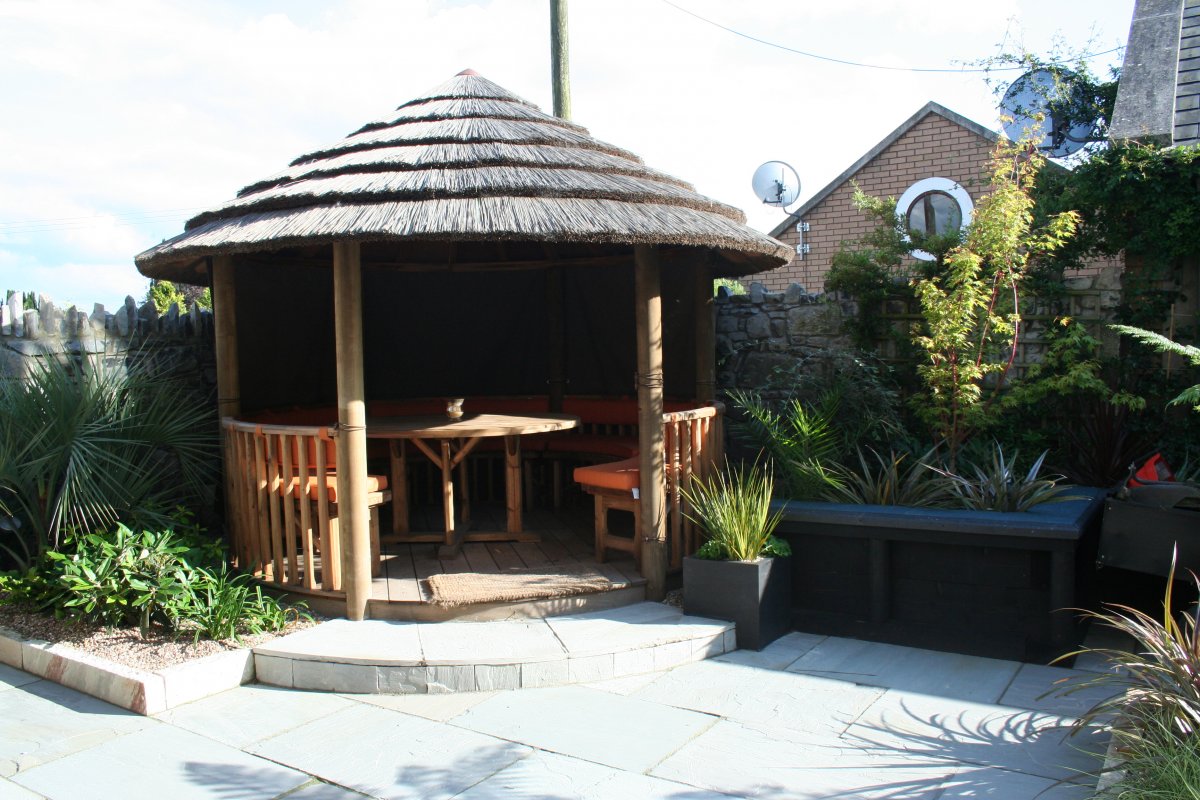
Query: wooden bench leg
pixel 376 548
pixel 601 528
pixel 637 534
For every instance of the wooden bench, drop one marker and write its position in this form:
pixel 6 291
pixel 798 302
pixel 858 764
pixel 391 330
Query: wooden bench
pixel 281 485
pixel 692 443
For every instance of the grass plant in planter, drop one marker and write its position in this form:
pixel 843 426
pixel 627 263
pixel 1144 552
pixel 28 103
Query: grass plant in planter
pixel 741 572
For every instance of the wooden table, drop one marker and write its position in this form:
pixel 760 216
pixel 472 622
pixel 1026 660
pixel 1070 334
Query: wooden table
pixel 447 444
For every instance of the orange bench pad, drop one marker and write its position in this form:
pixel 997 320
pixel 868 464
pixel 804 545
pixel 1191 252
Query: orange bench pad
pixel 375 483
pixel 623 476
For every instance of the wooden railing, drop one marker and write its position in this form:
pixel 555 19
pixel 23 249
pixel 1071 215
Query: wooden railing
pixel 283 527
pixel 694 444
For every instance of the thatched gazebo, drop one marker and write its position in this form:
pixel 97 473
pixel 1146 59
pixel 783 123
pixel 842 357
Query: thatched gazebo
pixel 476 245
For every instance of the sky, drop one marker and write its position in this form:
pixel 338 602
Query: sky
pixel 120 120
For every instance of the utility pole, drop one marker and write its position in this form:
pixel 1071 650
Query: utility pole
pixel 560 70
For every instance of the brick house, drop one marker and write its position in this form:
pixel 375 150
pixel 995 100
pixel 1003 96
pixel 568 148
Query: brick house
pixel 934 143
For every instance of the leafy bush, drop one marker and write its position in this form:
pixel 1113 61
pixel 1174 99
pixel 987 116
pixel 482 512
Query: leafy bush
pixel 128 578
pixel 734 509
pixel 84 445
pixel 146 579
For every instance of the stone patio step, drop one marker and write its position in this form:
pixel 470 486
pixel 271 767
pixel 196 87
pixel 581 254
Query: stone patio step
pixel 389 657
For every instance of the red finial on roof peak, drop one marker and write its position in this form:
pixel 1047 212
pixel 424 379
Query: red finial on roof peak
pixel 468 72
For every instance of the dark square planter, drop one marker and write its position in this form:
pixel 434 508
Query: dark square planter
pixel 755 595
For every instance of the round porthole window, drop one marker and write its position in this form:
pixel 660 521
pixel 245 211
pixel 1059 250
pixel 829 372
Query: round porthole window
pixel 934 206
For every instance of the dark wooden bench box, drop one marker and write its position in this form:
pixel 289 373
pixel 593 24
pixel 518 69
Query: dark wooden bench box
pixel 976 582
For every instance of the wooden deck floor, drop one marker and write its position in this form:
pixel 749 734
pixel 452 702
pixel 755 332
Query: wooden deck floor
pixel 566 538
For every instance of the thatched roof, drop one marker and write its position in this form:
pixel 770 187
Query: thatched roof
pixel 468 162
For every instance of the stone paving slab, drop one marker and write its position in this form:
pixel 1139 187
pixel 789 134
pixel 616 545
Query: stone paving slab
pixel 11 791
pixel 1028 690
pixel 249 714
pixel 761 697
pixel 974 733
pixel 386 754
pixel 780 654
pixel 161 761
pixel 910 669
pixel 436 707
pixel 513 642
pixel 596 726
pixel 545 775
pixel 10 677
pixel 750 761
pixel 325 791
pixel 43 721
pixel 972 783
pixel 365 642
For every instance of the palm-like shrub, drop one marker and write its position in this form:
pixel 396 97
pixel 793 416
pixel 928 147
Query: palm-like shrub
pixel 801 440
pixel 84 445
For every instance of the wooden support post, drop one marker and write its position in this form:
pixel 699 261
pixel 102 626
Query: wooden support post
pixel 353 514
pixel 652 524
pixel 229 402
pixel 706 332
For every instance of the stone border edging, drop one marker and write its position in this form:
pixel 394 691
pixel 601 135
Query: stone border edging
pixel 141 691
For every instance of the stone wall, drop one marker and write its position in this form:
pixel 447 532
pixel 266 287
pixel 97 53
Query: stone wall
pixel 179 343
pixel 765 338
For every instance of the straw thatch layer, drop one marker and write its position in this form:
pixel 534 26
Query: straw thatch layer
pixel 458 107
pixel 451 155
pixel 468 161
pixel 467 219
pixel 465 129
pixel 509 180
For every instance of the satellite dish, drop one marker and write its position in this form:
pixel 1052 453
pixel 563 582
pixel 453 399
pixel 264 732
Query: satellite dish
pixel 1041 102
pixel 776 184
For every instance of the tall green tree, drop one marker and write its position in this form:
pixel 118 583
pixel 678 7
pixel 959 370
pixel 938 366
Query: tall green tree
pixel 971 310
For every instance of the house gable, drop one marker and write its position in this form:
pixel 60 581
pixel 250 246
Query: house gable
pixel 934 142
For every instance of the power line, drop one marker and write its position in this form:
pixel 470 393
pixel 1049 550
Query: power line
pixel 847 62
pixel 64 224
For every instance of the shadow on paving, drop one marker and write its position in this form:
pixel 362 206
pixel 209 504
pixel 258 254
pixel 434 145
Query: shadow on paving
pixel 991 754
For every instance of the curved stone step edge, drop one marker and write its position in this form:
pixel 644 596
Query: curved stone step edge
pixel 358 678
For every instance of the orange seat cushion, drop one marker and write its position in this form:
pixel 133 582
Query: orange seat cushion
pixel 623 476
pixel 375 483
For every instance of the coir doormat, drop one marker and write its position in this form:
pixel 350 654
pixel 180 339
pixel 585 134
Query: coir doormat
pixel 467 588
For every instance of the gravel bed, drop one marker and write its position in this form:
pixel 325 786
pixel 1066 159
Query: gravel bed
pixel 126 645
